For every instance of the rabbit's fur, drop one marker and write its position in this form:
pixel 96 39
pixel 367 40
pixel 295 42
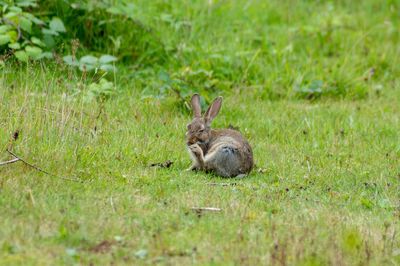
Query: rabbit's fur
pixel 223 151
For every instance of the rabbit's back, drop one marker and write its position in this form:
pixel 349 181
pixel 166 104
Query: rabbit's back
pixel 229 154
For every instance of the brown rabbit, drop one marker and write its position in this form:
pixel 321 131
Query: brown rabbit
pixel 223 151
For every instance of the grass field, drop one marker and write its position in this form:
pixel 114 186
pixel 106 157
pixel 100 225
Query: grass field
pixel 313 86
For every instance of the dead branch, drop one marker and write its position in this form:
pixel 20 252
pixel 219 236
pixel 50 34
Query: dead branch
pixel 112 204
pixel 166 164
pixel 31 197
pixel 202 209
pixel 17 158
pixel 10 161
pixel 222 184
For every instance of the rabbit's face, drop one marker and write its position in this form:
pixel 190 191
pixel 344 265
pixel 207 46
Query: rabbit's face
pixel 197 132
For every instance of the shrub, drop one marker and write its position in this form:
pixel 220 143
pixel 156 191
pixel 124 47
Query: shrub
pixel 24 34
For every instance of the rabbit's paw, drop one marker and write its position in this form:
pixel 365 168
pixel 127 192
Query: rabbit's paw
pixel 196 150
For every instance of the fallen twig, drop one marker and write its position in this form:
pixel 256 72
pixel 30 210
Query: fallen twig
pixel 201 209
pixel 112 204
pixel 222 184
pixel 166 164
pixel 17 158
pixel 31 197
pixel 262 170
pixel 29 164
pixel 233 127
pixel 10 161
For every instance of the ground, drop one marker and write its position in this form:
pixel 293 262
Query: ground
pixel 324 190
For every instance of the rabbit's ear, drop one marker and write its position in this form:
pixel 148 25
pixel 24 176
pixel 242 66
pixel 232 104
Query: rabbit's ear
pixel 213 110
pixel 196 105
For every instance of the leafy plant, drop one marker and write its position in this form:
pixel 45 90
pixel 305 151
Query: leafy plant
pixel 110 27
pixel 184 83
pixel 100 91
pixel 312 90
pixel 27 36
pixel 90 62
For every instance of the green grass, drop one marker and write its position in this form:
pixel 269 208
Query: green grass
pixel 325 189
pixel 277 49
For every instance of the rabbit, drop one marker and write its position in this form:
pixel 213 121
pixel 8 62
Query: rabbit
pixel 222 151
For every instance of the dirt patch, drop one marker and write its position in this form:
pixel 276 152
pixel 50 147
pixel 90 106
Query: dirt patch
pixel 103 247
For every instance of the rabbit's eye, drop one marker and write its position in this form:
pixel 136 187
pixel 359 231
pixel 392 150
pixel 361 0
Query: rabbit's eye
pixel 201 130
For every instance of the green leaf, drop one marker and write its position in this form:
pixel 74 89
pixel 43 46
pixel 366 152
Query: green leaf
pixel 71 252
pixel 4 28
pixel 15 9
pixel 38 42
pixel 26 3
pixel 108 68
pixel 13 35
pixel 141 254
pixel 165 77
pixel 14 46
pixel 4 39
pixel 69 60
pixel 25 24
pixel 35 19
pixel 57 25
pixel 105 59
pixel 49 41
pixel 33 51
pixel 386 204
pixel 88 60
pixel 10 15
pixel 367 203
pixel 49 32
pixel 47 55
pixel 5 6
pixel 21 56
pixel 84 67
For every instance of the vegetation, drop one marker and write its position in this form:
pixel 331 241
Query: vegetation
pixel 314 86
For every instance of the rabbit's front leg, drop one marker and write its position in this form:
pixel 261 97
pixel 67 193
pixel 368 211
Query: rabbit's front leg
pixel 197 157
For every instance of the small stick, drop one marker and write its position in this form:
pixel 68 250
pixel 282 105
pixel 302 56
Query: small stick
pixel 10 161
pixel 112 204
pixel 212 209
pixel 37 168
pixel 31 165
pixel 31 197
pixel 166 164
pixel 222 184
